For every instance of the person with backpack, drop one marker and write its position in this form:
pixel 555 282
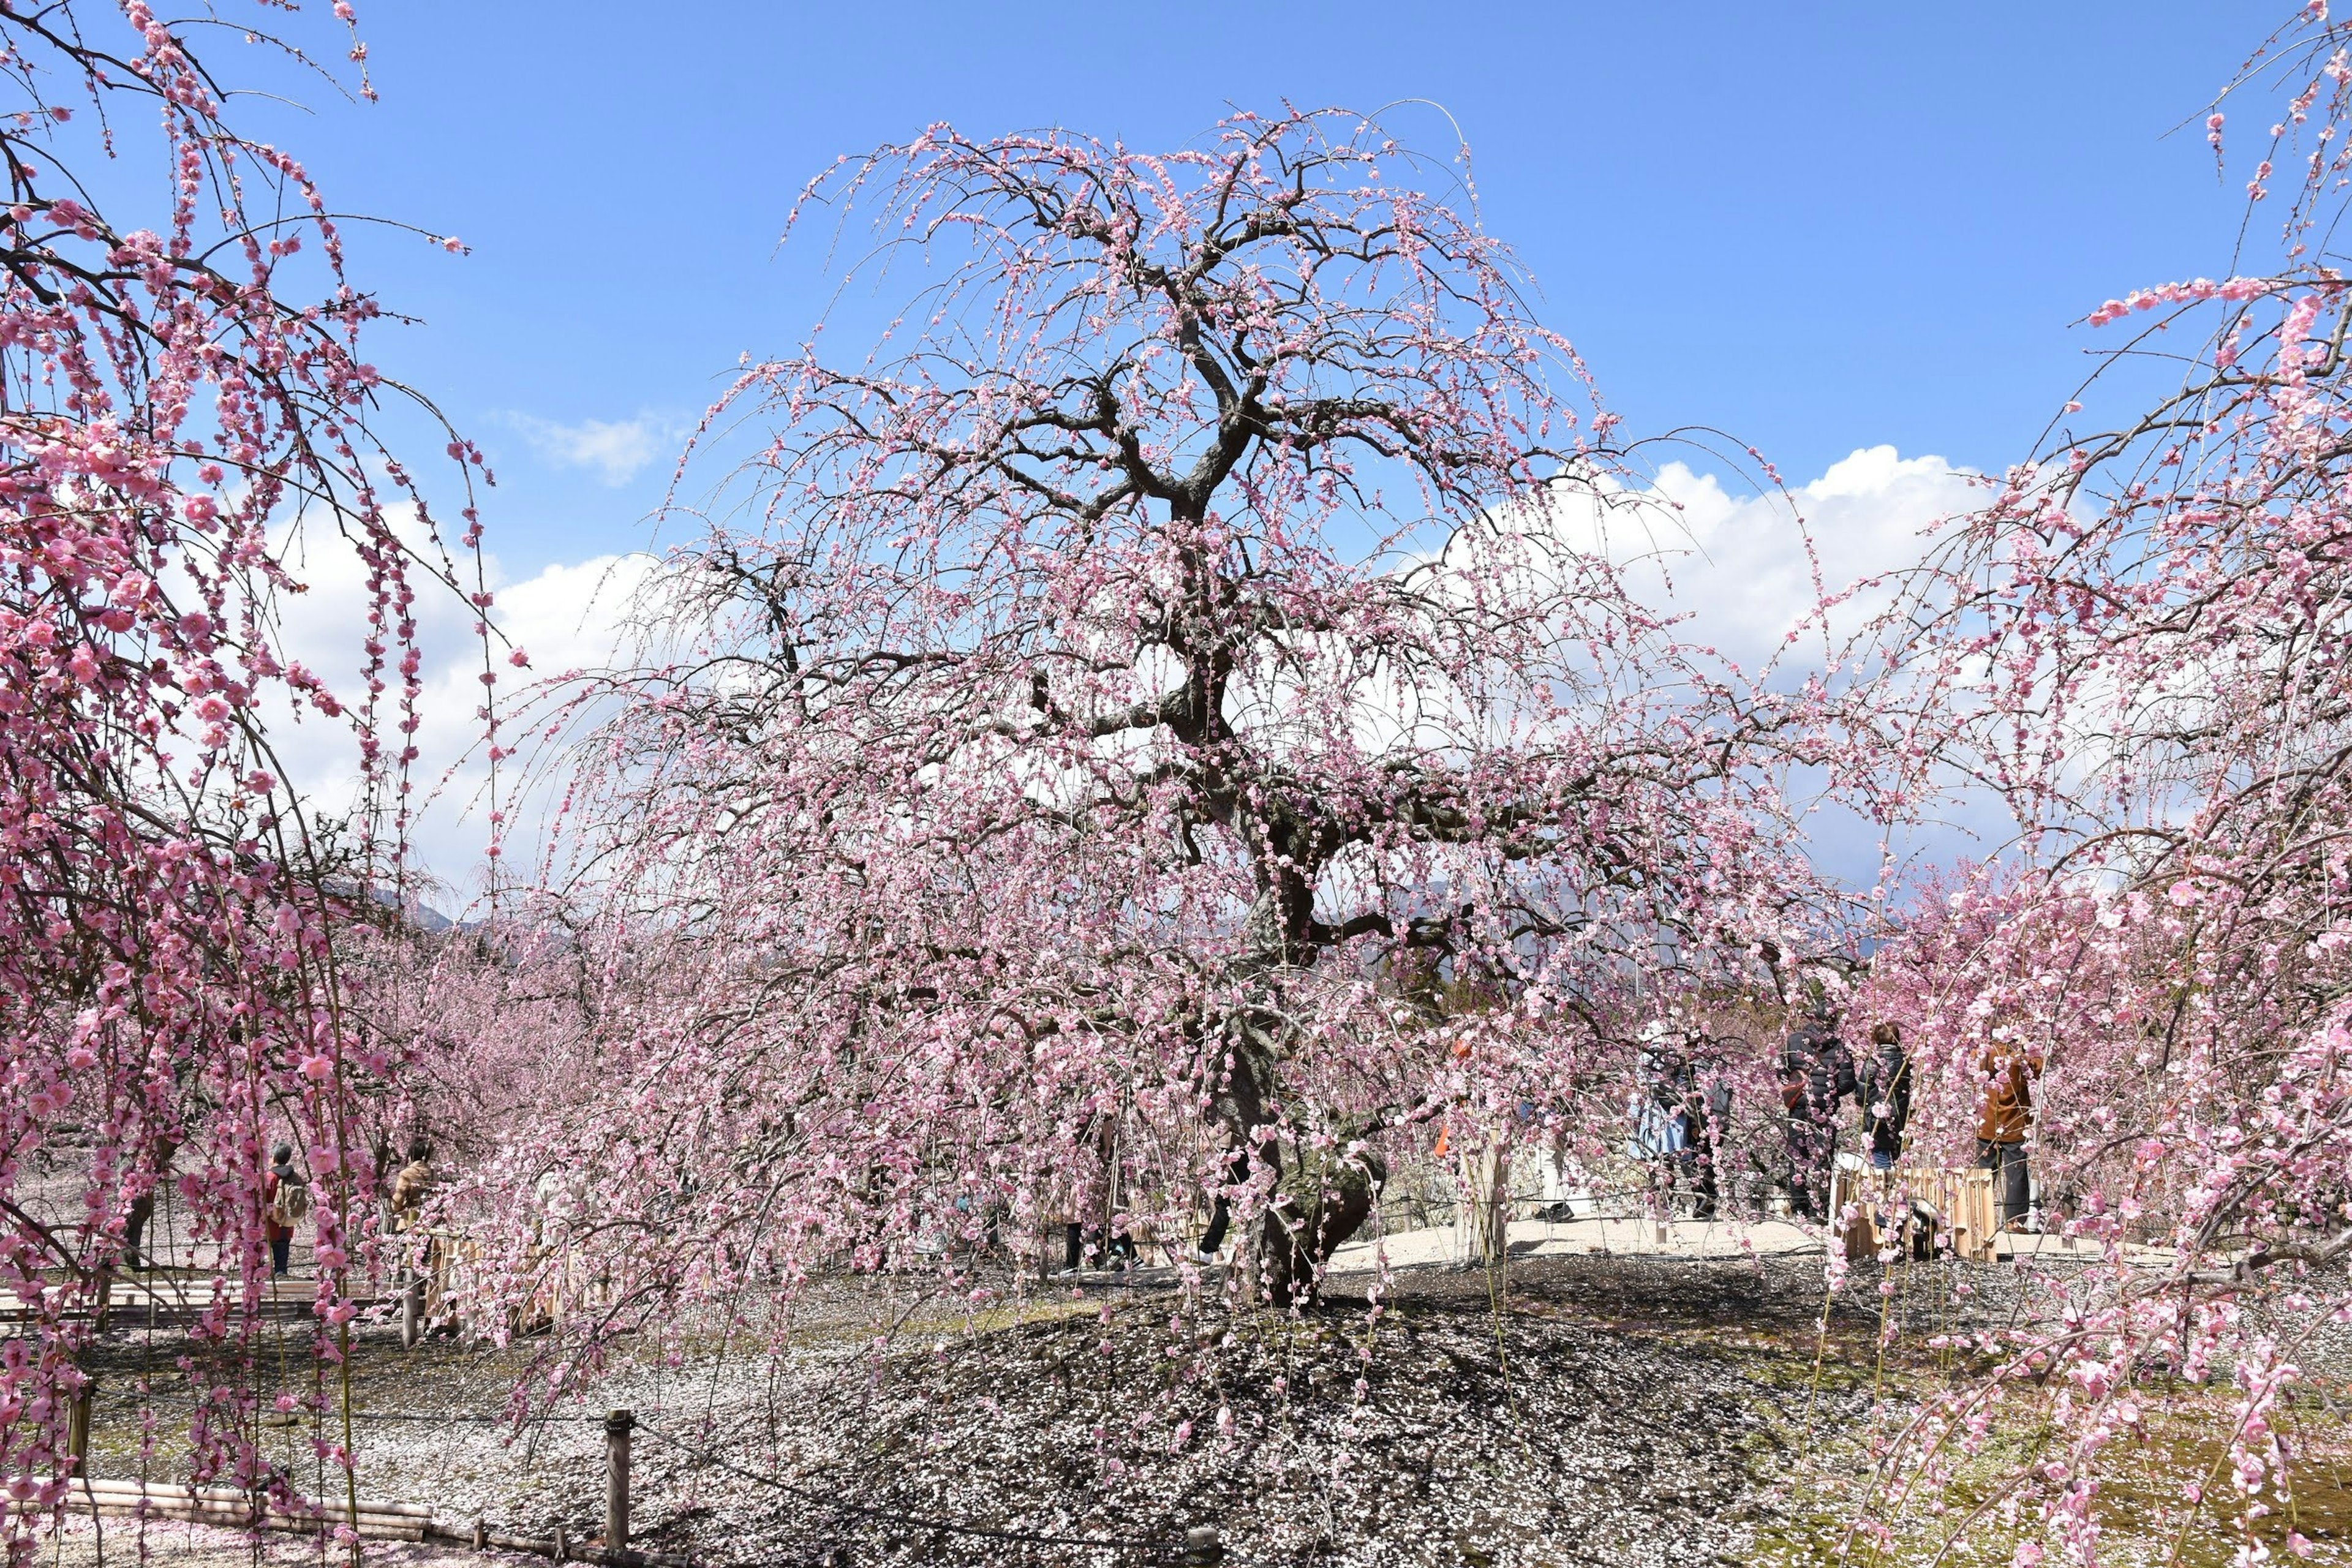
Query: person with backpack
pixel 413 1186
pixel 286 1203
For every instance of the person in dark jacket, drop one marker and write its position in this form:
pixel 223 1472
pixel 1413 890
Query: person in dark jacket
pixel 1818 1076
pixel 1885 1091
pixel 1706 1116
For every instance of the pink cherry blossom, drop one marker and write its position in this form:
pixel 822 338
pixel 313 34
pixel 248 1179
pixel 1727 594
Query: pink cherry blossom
pixel 181 390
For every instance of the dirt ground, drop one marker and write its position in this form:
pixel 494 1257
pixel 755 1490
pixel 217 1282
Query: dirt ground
pixel 1582 1409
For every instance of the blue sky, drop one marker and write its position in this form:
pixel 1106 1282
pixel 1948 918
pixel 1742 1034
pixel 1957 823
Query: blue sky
pixel 1819 228
pixel 1851 236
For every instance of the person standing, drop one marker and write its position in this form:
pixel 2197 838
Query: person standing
pixel 1885 1093
pixel 1818 1076
pixel 1660 1126
pixel 412 1189
pixel 1706 1117
pixel 286 1202
pixel 413 1186
pixel 2004 1117
pixel 1661 1131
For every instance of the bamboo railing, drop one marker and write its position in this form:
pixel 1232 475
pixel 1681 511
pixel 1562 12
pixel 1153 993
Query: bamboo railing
pixel 1959 1203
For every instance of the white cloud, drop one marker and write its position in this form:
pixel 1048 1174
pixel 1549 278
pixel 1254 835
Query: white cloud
pixel 569 615
pixel 1736 563
pixel 1747 574
pixel 618 450
pixel 1749 569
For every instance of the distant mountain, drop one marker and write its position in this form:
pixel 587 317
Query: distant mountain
pixel 421 915
pixel 413 909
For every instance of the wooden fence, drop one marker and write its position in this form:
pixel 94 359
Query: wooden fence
pixel 229 1509
pixel 1900 1206
pixel 452 1279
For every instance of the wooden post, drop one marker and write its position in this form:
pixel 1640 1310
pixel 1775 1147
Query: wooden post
pixel 411 1313
pixel 562 1547
pixel 619 1425
pixel 78 1428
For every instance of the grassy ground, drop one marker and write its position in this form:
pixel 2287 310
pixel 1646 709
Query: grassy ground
pixel 2165 1495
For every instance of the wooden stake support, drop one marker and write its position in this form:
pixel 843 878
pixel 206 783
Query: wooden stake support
pixel 619 1425
pixel 78 1426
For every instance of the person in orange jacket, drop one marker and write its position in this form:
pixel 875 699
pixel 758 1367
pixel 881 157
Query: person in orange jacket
pixel 2004 1116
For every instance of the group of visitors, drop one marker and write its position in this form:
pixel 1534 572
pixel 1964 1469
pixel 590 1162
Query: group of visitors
pixel 1680 1113
pixel 286 1198
pixel 1681 1107
pixel 1820 1072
